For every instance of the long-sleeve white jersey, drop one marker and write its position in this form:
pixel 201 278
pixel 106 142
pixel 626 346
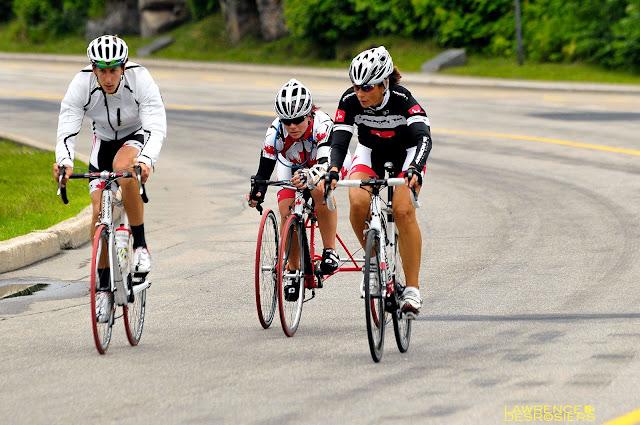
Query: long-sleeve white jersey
pixel 136 105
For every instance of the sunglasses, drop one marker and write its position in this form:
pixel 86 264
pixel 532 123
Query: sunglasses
pixel 365 87
pixel 292 121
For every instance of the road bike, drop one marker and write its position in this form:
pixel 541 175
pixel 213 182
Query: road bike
pixel 126 288
pixel 286 262
pixel 384 280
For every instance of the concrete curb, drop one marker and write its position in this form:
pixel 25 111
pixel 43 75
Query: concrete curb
pixel 24 250
pixel 409 77
pixel 40 244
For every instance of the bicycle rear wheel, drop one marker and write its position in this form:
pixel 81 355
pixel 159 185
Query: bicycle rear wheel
pixel 291 276
pixel 266 269
pixel 373 296
pixel 135 309
pixel 134 314
pixel 101 330
pixel 401 325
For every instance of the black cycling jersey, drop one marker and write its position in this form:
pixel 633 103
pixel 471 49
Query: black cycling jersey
pixel 388 130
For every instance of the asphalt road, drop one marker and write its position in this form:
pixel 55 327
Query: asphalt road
pixel 531 228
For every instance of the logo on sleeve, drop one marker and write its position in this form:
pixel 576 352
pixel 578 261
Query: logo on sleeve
pixel 321 136
pixel 415 109
pixel 340 114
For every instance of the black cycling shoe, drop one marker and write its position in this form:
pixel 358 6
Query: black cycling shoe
pixel 330 261
pixel 291 291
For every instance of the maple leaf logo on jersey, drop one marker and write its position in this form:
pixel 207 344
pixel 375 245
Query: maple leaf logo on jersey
pixel 320 137
pixel 296 153
pixel 415 109
pixel 340 115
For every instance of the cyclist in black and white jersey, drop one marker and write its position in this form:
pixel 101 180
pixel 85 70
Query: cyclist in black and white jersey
pixel 392 126
pixel 297 147
pixel 129 127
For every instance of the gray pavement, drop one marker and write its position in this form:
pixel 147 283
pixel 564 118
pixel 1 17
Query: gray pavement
pixel 530 227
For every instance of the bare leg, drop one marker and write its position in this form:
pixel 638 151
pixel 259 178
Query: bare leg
pixel 294 256
pixel 327 220
pixel 410 239
pixel 133 205
pixel 359 200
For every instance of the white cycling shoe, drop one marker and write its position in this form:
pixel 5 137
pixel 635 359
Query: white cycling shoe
pixel 411 302
pixel 372 279
pixel 104 305
pixel 141 260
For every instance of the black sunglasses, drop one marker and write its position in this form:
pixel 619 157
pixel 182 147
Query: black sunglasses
pixel 365 87
pixel 292 121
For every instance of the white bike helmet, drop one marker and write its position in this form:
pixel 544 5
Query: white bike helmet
pixel 372 66
pixel 293 100
pixel 108 51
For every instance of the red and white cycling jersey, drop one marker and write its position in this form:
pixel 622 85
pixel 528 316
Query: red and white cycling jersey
pixel 305 151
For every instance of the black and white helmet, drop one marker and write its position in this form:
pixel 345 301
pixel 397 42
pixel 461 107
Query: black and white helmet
pixel 293 100
pixel 108 51
pixel 372 66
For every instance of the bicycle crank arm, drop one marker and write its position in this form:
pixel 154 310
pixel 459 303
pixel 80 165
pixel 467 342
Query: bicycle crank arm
pixel 141 287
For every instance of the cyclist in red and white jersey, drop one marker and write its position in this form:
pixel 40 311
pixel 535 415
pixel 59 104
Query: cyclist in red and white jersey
pixel 297 147
pixel 392 127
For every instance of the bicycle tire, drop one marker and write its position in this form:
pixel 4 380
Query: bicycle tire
pixel 374 302
pixel 133 312
pixel 291 310
pixel 101 331
pixel 401 325
pixel 266 269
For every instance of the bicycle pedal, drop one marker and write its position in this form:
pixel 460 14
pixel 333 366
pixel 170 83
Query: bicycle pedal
pixel 407 314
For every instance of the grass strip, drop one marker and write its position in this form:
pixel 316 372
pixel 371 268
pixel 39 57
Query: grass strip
pixel 28 199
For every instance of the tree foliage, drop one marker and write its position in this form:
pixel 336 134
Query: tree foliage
pixel 39 19
pixel 605 32
pixel 201 8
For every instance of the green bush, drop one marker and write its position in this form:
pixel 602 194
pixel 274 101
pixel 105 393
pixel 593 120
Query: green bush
pixel 330 23
pixel 604 32
pixel 201 8
pixel 38 20
pixel 624 49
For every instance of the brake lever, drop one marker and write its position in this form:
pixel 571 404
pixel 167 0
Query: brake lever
pixel 62 190
pixel 138 170
pixel 142 189
pixel 414 198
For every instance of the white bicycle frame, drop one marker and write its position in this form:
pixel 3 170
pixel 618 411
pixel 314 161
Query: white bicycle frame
pixel 301 208
pixel 377 209
pixel 109 203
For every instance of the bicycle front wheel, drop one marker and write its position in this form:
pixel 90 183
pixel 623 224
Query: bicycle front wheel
pixel 102 328
pixel 374 299
pixel 291 272
pixel 266 269
pixel 401 324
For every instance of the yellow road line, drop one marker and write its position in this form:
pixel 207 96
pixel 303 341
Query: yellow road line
pixel 632 418
pixel 569 143
pixel 464 133
pixel 181 107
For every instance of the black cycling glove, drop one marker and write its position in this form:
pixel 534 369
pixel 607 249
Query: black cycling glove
pixel 255 189
pixel 330 177
pixel 412 171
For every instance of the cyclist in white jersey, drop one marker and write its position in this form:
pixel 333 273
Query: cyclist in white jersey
pixel 129 127
pixel 297 146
